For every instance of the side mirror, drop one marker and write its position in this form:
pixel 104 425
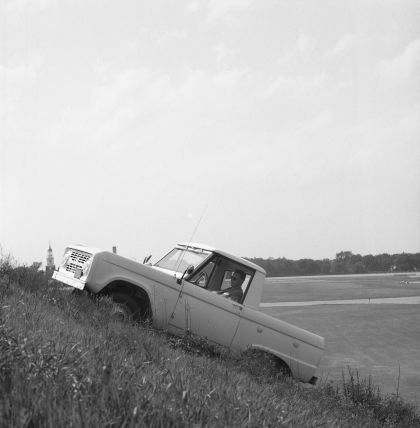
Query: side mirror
pixel 189 270
pixel 146 259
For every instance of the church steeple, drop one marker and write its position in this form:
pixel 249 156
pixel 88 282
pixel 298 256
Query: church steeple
pixel 50 266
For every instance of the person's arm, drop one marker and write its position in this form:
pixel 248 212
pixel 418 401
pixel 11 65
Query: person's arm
pixel 234 294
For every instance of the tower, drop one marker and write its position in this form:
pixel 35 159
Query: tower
pixel 49 268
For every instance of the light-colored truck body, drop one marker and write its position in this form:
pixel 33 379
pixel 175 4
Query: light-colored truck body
pixel 185 291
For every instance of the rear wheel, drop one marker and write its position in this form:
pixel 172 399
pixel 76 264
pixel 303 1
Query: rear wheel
pixel 125 309
pixel 282 367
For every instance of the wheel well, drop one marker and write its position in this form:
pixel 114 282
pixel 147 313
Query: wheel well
pixel 137 293
pixel 280 364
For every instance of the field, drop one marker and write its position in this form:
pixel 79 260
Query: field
pixel 380 340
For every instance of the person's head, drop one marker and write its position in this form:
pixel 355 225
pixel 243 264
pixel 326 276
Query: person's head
pixel 237 278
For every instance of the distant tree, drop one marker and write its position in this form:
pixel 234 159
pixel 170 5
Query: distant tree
pixel 308 267
pixel 359 267
pixel 338 267
pixel 404 263
pixel 384 262
pixel 324 266
pixel 370 263
pixel 344 262
pixel 355 258
pixel 416 261
pixel 344 256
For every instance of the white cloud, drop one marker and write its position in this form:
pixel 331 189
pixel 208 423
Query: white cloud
pixel 320 122
pixel 344 43
pixel 112 107
pixel 15 80
pixel 297 86
pixel 286 59
pixel 169 37
pixel 107 95
pixel 193 6
pixel 21 73
pixel 222 52
pixel 229 78
pixel 300 54
pixel 410 123
pixel 18 5
pixel 304 43
pixel 114 124
pixel 403 66
pixel 220 9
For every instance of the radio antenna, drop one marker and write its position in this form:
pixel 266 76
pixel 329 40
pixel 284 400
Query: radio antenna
pixel 192 236
pixel 180 261
pixel 196 226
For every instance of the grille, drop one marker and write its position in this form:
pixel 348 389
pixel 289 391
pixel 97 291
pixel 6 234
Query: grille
pixel 77 260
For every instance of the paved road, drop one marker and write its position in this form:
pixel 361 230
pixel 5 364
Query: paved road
pixel 384 300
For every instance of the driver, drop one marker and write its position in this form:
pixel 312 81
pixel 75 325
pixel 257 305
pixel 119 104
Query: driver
pixel 235 291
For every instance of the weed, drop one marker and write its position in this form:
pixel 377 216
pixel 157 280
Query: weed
pixel 389 409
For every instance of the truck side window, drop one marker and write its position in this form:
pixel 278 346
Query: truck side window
pixel 227 278
pixel 201 278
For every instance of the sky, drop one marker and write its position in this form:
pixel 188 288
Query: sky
pixel 275 128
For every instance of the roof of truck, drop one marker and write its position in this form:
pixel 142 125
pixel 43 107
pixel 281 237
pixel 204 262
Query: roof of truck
pixel 204 247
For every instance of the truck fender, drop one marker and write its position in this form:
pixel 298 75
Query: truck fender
pixel 281 359
pixel 138 293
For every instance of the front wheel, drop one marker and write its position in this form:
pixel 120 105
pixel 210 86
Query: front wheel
pixel 125 309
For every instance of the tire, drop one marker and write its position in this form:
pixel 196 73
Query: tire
pixel 283 368
pixel 125 309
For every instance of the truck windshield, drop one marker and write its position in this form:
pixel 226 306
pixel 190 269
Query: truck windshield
pixel 179 259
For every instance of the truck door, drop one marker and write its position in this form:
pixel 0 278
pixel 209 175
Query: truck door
pixel 204 312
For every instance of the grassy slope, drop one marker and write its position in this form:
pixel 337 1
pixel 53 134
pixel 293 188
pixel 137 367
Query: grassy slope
pixel 63 363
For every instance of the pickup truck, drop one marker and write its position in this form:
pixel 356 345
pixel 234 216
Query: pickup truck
pixel 189 290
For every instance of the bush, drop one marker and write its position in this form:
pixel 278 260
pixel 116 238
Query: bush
pixel 27 277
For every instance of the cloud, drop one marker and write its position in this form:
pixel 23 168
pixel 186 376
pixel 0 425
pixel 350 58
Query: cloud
pixel 193 6
pixel 221 9
pixel 299 54
pixel 403 66
pixel 410 123
pixel 228 79
pixel 18 5
pixel 304 43
pixel 344 43
pixel 16 79
pixel 222 52
pixel 113 106
pixel 107 95
pixel 21 73
pixel 169 37
pixel 297 86
pixel 139 107
pixel 320 122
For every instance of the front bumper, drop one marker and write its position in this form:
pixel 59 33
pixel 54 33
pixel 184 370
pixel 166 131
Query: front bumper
pixel 69 279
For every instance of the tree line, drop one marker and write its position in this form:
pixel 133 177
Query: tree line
pixel 345 262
